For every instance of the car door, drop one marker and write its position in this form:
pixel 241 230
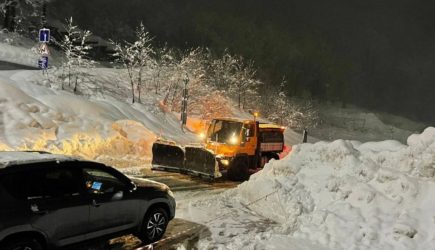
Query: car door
pixel 114 207
pixel 57 204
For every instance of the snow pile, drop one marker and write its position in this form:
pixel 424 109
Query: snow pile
pixel 17 55
pixel 348 195
pixel 34 117
pixel 338 195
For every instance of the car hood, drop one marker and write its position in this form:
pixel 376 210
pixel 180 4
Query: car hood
pixel 144 183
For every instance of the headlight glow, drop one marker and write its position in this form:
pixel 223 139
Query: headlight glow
pixel 225 162
pixel 202 135
pixel 234 140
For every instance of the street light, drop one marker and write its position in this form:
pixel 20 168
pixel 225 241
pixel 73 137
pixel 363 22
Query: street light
pixel 184 102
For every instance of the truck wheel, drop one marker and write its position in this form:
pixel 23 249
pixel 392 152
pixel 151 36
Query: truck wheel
pixel 154 225
pixel 239 169
pixel 22 244
pixel 272 156
pixel 266 158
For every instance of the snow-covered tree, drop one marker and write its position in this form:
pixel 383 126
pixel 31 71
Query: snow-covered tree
pixel 67 46
pixel 125 56
pixel 142 55
pixel 74 45
pixel 292 112
pixel 164 60
pixel 204 100
pixel 243 80
pixel 221 71
pixel 279 110
pixel 82 60
pixel 135 57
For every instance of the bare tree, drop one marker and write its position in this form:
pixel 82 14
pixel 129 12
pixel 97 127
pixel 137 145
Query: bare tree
pixel 74 45
pixel 143 52
pixel 295 113
pixel 135 57
pixel 125 56
pixel 82 53
pixel 243 79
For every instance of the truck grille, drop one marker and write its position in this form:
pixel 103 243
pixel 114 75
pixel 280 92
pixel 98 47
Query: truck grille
pixel 268 147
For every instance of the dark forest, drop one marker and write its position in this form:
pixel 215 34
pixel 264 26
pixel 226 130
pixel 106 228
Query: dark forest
pixel 374 54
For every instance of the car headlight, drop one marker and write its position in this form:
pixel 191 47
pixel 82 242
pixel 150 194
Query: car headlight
pixel 170 193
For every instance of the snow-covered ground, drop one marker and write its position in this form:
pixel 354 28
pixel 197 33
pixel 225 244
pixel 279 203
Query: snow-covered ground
pixel 353 123
pixel 104 128
pixel 337 195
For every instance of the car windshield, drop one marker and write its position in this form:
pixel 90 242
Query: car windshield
pixel 222 131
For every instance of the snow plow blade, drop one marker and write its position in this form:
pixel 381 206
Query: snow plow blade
pixel 191 160
pixel 167 156
pixel 201 162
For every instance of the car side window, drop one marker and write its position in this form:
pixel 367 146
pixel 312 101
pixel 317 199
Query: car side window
pixel 61 182
pixel 98 181
pixel 23 185
pixel 51 181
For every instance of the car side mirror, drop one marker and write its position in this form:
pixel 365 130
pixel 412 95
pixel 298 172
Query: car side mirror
pixel 133 187
pixel 247 132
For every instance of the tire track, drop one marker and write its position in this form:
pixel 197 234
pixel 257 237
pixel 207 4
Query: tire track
pixel 182 183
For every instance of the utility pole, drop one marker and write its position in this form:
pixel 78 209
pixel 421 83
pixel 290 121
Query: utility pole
pixel 44 39
pixel 305 136
pixel 44 14
pixel 184 103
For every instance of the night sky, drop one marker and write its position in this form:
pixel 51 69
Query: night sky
pixel 375 54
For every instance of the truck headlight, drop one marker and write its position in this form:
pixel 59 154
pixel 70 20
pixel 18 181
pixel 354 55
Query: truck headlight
pixel 225 162
pixel 234 140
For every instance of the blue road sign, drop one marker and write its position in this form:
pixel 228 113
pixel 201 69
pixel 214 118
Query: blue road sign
pixel 44 35
pixel 43 62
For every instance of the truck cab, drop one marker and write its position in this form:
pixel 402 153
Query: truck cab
pixel 243 146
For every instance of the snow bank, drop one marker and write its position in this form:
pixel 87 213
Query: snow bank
pixel 18 55
pixel 337 195
pixel 348 195
pixel 37 118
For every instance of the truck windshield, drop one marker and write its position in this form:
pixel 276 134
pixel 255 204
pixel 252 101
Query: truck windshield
pixel 224 131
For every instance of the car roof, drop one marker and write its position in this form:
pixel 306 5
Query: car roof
pixel 14 158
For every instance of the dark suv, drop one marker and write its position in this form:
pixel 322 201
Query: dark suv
pixel 48 201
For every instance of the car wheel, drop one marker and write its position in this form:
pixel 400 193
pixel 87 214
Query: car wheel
pixel 154 225
pixel 23 244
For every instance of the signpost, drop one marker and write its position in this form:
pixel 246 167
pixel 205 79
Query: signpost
pixel 43 62
pixel 44 35
pixel 43 50
pixel 44 39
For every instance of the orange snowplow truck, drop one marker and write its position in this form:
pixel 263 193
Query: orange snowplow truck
pixel 234 147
